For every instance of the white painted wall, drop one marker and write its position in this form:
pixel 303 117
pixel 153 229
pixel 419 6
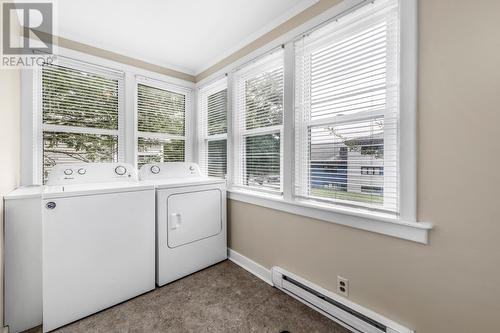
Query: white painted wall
pixel 10 113
pixel 10 145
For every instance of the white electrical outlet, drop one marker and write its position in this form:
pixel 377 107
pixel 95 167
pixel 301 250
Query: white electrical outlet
pixel 342 286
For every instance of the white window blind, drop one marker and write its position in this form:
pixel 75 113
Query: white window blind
pixel 347 109
pixel 258 119
pixel 161 124
pixel 82 108
pixel 212 126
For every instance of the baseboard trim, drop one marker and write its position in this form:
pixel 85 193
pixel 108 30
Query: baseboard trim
pixel 251 266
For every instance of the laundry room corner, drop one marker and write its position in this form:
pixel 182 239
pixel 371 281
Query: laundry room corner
pixel 265 166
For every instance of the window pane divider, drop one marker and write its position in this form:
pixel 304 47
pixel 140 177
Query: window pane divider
pixel 262 130
pixel 77 129
pixel 216 137
pixel 160 136
pixel 346 118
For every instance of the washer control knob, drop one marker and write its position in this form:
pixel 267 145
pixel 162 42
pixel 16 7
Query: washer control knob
pixel 120 170
pixel 82 171
pixel 68 172
pixel 191 168
pixel 155 169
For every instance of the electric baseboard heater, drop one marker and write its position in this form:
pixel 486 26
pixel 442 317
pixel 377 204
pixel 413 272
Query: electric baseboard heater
pixel 348 314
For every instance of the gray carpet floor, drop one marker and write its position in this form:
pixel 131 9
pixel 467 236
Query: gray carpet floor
pixel 221 298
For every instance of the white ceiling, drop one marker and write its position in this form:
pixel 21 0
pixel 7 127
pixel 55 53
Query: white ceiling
pixel 186 35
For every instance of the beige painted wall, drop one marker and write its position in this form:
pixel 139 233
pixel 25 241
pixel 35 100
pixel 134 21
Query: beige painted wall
pixel 288 25
pixel 105 54
pixel 69 44
pixel 453 284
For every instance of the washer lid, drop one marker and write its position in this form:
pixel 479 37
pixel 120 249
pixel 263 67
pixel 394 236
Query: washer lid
pixel 61 191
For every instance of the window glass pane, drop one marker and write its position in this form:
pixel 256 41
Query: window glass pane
pixel 342 160
pixel 72 97
pixel 217 158
pixel 349 77
pixel 347 110
pixel 258 117
pixel 60 148
pixel 217 113
pixel 154 150
pixel 264 99
pixel 212 128
pixel 160 111
pixel 262 161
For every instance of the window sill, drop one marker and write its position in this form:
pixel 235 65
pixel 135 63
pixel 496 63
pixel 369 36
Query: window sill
pixel 378 223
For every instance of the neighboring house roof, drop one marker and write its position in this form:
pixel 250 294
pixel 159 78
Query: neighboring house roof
pixel 334 151
pixel 376 139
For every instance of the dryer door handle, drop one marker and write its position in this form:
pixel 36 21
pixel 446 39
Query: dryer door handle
pixel 175 221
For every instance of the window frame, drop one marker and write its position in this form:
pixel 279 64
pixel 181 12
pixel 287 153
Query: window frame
pixel 31 112
pixel 204 92
pixel 239 136
pixel 41 127
pixel 405 226
pixel 306 126
pixel 188 115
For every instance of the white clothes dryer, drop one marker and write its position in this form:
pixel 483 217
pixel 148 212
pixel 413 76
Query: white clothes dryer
pixel 190 219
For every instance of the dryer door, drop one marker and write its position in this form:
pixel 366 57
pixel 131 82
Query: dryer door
pixel 193 216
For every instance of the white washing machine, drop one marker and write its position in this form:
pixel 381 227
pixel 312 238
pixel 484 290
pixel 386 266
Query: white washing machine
pixel 190 219
pixel 98 240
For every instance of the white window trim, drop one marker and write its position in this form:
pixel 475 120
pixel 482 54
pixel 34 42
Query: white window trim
pixel 39 127
pixel 406 226
pixel 188 115
pixel 305 50
pixel 359 219
pixel 31 117
pixel 238 139
pixel 204 138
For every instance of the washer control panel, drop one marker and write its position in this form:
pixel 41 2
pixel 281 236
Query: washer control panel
pixel 82 173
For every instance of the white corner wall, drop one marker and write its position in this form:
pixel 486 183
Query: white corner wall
pixel 10 113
